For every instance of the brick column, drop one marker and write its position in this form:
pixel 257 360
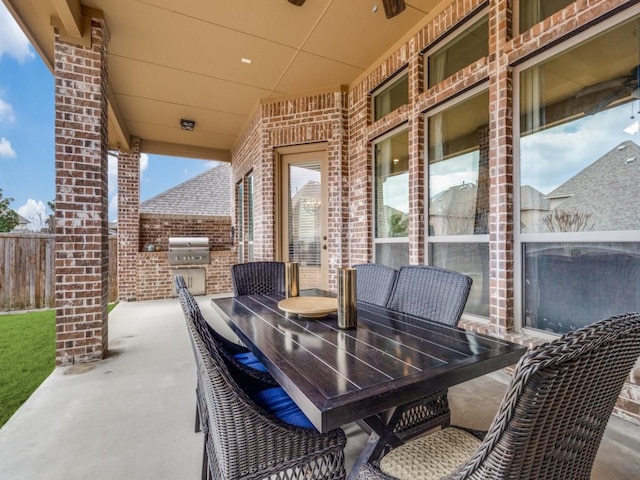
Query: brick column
pixel 501 227
pixel 417 167
pixel 128 221
pixel 82 249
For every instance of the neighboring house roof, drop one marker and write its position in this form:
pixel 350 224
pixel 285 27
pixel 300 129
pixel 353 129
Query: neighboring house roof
pixel 532 199
pixel 456 201
pixel 606 191
pixel 205 194
pixel 22 223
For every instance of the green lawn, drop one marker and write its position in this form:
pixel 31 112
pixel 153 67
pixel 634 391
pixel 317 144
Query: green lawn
pixel 27 356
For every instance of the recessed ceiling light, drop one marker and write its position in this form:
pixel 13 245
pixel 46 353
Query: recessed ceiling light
pixel 245 60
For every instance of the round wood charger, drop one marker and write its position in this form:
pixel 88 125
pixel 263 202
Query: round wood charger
pixel 310 307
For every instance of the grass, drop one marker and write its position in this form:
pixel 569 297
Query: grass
pixel 27 356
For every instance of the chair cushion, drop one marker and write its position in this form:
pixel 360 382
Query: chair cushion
pixel 250 360
pixel 430 457
pixel 278 403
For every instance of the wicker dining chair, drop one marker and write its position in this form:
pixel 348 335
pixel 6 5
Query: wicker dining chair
pixel 244 374
pixel 374 283
pixel 550 422
pixel 257 278
pixel 179 283
pixel 430 292
pixel 245 442
pixel 439 295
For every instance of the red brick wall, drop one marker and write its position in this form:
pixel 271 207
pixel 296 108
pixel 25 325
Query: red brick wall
pixel 154 274
pixel 155 229
pixel 319 118
pixel 82 248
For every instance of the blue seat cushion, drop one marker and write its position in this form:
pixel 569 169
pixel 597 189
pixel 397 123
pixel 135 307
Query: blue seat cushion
pixel 277 402
pixel 250 360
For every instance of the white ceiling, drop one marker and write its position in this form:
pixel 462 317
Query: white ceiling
pixel 182 59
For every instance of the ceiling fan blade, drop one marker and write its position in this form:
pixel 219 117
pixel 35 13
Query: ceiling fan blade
pixel 297 2
pixel 393 7
pixel 597 87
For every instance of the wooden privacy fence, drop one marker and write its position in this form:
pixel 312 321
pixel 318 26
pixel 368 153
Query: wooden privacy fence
pixel 27 279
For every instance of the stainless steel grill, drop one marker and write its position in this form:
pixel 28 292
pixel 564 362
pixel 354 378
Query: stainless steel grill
pixel 188 250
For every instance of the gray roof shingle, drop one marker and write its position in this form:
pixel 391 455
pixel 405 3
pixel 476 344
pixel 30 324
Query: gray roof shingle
pixel 606 191
pixel 205 194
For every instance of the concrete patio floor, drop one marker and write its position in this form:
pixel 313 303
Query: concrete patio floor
pixel 131 415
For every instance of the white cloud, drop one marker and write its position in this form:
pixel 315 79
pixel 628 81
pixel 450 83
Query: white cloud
pixel 551 157
pixel 13 41
pixel 144 163
pixel 36 212
pixel 6 112
pixel 6 150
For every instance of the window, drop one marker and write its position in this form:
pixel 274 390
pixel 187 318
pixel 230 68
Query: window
pixel 240 220
pixel 571 284
pixel 391 192
pixel 458 179
pixel 249 184
pixel 531 12
pixel 391 96
pixel 470 44
pixel 579 152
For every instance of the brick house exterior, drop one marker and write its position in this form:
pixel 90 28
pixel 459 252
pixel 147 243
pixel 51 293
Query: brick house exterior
pixel 340 121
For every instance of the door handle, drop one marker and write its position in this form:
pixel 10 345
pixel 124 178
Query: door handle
pixel 324 247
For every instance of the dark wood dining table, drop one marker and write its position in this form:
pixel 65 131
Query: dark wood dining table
pixel 340 376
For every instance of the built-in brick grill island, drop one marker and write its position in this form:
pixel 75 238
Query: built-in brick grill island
pixel 187 253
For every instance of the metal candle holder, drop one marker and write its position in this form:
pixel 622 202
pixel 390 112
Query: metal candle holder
pixel 347 309
pixel 292 279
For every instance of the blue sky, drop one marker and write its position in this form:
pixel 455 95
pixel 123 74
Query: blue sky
pixel 27 168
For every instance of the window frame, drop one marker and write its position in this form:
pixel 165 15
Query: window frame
pixel 383 240
pixel 448 239
pixel 386 86
pixel 240 218
pixel 516 18
pixel 449 37
pixel 519 238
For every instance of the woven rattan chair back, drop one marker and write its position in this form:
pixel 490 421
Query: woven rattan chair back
pixel 257 278
pixel 244 375
pixel 374 283
pixel 430 292
pixel 554 413
pixel 244 442
pixel 552 419
pixel 179 283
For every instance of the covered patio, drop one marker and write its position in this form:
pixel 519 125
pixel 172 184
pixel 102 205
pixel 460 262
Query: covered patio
pixel 370 108
pixel 131 415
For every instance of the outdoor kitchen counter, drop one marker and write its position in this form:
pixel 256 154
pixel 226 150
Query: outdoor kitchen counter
pixel 156 275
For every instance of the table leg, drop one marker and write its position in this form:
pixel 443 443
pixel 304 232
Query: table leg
pixel 381 436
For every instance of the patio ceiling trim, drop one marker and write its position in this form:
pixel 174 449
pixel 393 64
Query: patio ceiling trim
pixel 115 117
pixel 155 147
pixel 70 14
